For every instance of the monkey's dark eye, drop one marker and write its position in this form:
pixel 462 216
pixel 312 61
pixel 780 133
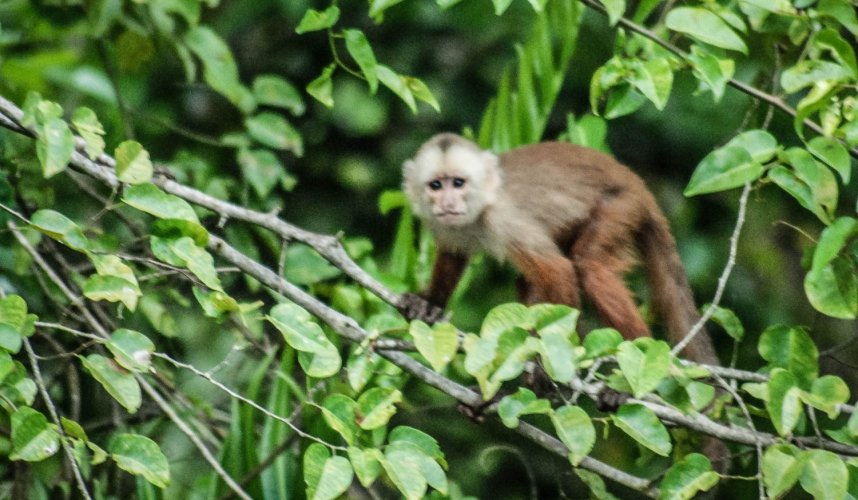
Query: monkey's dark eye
pixel 435 185
pixel 458 182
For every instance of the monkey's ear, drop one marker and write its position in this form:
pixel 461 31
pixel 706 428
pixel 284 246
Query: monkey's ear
pixel 492 181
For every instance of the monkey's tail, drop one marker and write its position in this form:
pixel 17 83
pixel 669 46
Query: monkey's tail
pixel 668 285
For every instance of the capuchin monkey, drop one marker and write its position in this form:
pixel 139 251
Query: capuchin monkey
pixel 567 217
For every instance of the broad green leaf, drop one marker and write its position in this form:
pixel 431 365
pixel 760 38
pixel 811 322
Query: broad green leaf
pixel 706 26
pixel 376 406
pixel 54 146
pixel 274 131
pixel 833 289
pixel 117 381
pixel 340 413
pixel 558 354
pixel 598 490
pixel 810 71
pixel 792 349
pixel 841 10
pixel 304 266
pixel 13 311
pixel 148 198
pixel 219 68
pixel 141 456
pixel 501 6
pixel 303 334
pixel 60 228
pixel 784 402
pixel 397 84
pixel 261 169
pixel 33 438
pixel 723 169
pixel 377 8
pixel 133 165
pixel 274 90
pixel 654 79
pixel 504 317
pixel 782 466
pixel 438 343
pixel 336 477
pixel 576 430
pixel 199 261
pixel 685 479
pixel 554 318
pixel 623 100
pixel 825 475
pixel 641 424
pixel 798 189
pixel 10 338
pixel 644 364
pixel 360 368
pixel 91 131
pixel 833 154
pixel 589 131
pixel 322 88
pixel 760 144
pixel 827 394
pixel 728 320
pixel 522 402
pixel 112 289
pixel 820 180
pixel 421 92
pixel 402 465
pixel 131 349
pixel 315 20
pixel 315 457
pixel 361 51
pixel 111 265
pixel 426 443
pixel 366 464
pixel 711 70
pixel 602 341
pixel 833 240
pixel 515 348
pixel 615 10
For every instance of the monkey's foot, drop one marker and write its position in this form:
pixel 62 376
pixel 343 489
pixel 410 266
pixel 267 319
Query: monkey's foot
pixel 413 306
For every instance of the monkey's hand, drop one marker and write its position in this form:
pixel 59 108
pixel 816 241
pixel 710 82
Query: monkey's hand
pixel 413 306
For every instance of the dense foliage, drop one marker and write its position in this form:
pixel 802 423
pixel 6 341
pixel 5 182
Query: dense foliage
pixel 203 245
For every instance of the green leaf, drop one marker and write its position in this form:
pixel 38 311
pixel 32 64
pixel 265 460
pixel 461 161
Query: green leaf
pixel 438 344
pixel 792 349
pixel 798 189
pixel 723 169
pixel 13 311
pixel 340 413
pixel 111 265
pixel 33 438
pixel 818 178
pixel 397 84
pixel 706 26
pixel 824 475
pixel 54 146
pixel 118 382
pixel 501 6
pixel 131 349
pixel 421 91
pixel 273 90
pixel 10 338
pixel 132 163
pixel 303 334
pixel 505 317
pixel 810 71
pixel 361 51
pixel 148 198
pixel 261 169
pixel 315 20
pixel 833 289
pixel 654 79
pixel 685 479
pixel 274 131
pixel 598 490
pixel 615 9
pixel 522 402
pixel 711 70
pixel 304 266
pixel 833 154
pixel 602 341
pixel 91 131
pixel 833 240
pixel 641 424
pixel 760 144
pixel 112 289
pixel 198 261
pixel 644 364
pixel 424 442
pixel 827 394
pixel 377 8
pixel 219 68
pixel 576 430
pixel 376 406
pixel 589 130
pixel 335 479
pixel 782 466
pixel 60 228
pixel 366 464
pixel 322 89
pixel 728 320
pixel 141 456
pixel 784 402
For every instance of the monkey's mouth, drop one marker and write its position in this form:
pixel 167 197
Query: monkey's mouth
pixel 449 216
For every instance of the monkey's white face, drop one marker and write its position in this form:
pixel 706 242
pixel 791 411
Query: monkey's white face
pixel 452 186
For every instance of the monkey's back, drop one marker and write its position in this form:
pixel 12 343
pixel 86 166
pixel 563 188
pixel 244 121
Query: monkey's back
pixel 560 183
